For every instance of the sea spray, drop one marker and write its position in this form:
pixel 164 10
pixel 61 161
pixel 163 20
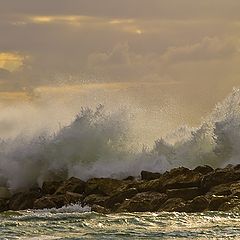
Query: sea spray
pixel 100 143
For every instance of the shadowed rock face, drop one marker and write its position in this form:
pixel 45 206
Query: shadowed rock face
pixel 181 190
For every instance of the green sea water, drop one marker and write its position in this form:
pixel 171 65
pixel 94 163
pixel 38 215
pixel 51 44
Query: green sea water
pixel 75 222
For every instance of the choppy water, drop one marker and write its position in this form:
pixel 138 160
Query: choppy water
pixel 77 223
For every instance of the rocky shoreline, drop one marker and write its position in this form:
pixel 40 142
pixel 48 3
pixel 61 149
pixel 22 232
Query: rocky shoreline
pixel 178 190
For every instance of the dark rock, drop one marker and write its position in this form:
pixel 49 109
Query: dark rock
pixel 129 178
pixel 3 205
pixel 73 184
pixel 72 198
pixel 96 199
pixel 203 169
pixel 120 196
pixel 216 202
pixel 104 186
pixel 23 200
pixel 50 187
pixel 220 190
pixel 220 176
pixel 173 205
pixel 99 209
pixel 143 202
pixel 149 186
pixel 184 193
pixel 145 175
pixel 53 201
pixel 232 205
pixel 198 204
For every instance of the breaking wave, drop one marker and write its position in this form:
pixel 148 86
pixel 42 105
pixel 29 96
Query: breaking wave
pixel 98 143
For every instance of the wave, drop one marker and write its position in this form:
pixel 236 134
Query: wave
pixel 99 143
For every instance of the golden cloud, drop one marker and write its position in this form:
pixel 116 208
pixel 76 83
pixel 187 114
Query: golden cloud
pixel 11 61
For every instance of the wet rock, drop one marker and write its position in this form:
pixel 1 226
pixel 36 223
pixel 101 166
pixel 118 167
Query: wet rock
pixel 235 189
pixel 184 193
pixel 100 209
pixel 120 196
pixel 149 186
pixel 198 204
pixel 53 201
pixel 23 200
pixel 96 199
pixel 50 187
pixel 219 176
pixel 173 205
pixel 145 175
pixel 216 202
pixel 4 193
pixel 73 198
pixel 143 202
pixel 203 169
pixel 3 205
pixel 73 184
pixel 104 186
pixel 129 178
pixel 220 190
pixel 232 205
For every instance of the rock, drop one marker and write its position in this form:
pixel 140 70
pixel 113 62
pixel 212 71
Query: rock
pixel 96 199
pixel 145 175
pixel 203 169
pixel 3 205
pixel 184 193
pixel 73 184
pixel 73 198
pixel 235 189
pixel 232 205
pixel 129 178
pixel 216 202
pixel 23 200
pixel 143 202
pixel 220 190
pixel 104 186
pixel 120 196
pixel 181 178
pixel 53 201
pixel 173 205
pixel 99 209
pixel 219 176
pixel 198 204
pixel 149 186
pixel 4 193
pixel 50 187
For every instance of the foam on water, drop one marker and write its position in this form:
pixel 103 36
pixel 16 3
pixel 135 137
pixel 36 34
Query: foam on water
pixel 100 143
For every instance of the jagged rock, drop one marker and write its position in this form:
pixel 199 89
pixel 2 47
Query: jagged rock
pixel 145 175
pixel 73 197
pixel 4 193
pixel 216 202
pixel 198 204
pixel 50 187
pixel 53 201
pixel 220 190
pixel 235 189
pixel 120 196
pixel 173 205
pixel 104 186
pixel 232 205
pixel 23 200
pixel 99 209
pixel 184 193
pixel 96 199
pixel 220 176
pixel 143 202
pixel 129 178
pixel 3 205
pixel 73 184
pixel 203 169
pixel 149 186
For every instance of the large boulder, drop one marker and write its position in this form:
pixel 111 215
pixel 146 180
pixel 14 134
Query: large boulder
pixel 73 198
pixel 145 175
pixel 198 204
pixel 173 205
pixel 233 205
pixel 203 169
pixel 104 186
pixel 220 190
pixel 184 193
pixel 23 200
pixel 3 205
pixel 96 199
pixel 50 187
pixel 220 176
pixel 53 201
pixel 216 202
pixel 99 209
pixel 73 184
pixel 143 202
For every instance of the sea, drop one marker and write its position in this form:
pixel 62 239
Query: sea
pixel 102 143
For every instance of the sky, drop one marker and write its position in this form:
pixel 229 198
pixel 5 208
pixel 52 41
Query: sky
pixel 184 54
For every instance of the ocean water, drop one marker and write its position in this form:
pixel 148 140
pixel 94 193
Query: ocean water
pixel 79 223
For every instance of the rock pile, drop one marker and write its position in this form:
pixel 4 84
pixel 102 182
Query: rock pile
pixel 180 190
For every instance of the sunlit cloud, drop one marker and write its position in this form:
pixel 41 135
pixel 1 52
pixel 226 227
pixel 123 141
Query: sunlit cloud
pixel 11 61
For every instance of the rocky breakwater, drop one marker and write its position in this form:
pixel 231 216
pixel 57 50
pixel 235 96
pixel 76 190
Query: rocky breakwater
pixel 180 190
